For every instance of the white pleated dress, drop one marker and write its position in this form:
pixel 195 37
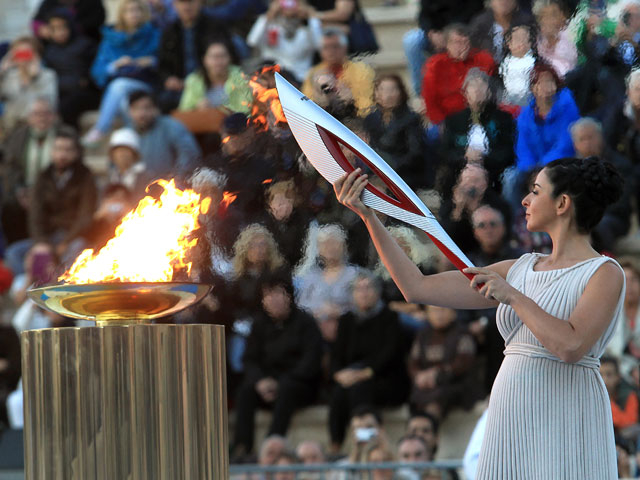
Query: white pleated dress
pixel 548 419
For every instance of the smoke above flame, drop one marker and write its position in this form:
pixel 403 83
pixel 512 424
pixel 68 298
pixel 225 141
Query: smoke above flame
pixel 151 242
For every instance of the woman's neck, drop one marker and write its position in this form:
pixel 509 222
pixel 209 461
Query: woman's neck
pixel 569 247
pixel 503 20
pixel 544 106
pixel 131 28
pixel 218 79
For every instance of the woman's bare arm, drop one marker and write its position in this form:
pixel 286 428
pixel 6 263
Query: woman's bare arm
pixel 447 289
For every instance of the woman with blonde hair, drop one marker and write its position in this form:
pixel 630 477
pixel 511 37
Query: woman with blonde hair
pixel 125 63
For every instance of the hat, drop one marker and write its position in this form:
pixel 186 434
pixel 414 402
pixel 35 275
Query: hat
pixel 235 123
pixel 125 137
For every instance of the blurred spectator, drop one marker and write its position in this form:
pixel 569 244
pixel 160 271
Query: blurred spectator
pixel 434 16
pixel 588 141
pixel 271 448
pixel 290 34
pixel 555 45
pixel 285 459
pixel 624 400
pixel 310 452
pixel 182 47
pixel 115 203
pixel 23 78
pixel 127 167
pixel 412 449
pixel 515 69
pixel 444 73
pixel 88 16
pixel 396 132
pixel 488 28
pixel 425 426
pixel 336 80
pixel 286 220
pixel 9 368
pixel 126 62
pixel 378 451
pixel 166 146
pixel 219 83
pixel 255 255
pixel 26 152
pixel 281 362
pixel 247 161
pixel 365 425
pixel 627 34
pixel 441 365
pixel 542 127
pixel 62 202
pixel 481 133
pixel 492 235
pixel 367 358
pixel 324 290
pixel 470 190
pixel 630 328
pixel 70 55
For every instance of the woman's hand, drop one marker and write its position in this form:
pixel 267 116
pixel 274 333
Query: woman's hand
pixel 348 189
pixel 491 285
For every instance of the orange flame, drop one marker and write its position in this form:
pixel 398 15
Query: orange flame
pixel 267 181
pixel 149 244
pixel 266 105
pixel 227 199
pixel 226 139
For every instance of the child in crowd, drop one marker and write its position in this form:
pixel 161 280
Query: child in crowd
pixel 515 69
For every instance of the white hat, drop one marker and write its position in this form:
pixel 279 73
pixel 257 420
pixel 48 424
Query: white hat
pixel 125 137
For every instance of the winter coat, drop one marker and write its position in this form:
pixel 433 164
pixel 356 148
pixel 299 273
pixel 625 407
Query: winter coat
pixel 71 62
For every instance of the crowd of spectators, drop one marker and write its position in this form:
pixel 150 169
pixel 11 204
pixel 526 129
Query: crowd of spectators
pixel 311 316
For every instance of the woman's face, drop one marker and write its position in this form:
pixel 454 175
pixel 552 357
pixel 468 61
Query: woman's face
pixel 520 42
pixel 539 204
pixel 551 20
pixel 388 94
pixel 545 88
pixel 476 92
pixel 60 31
pixel 332 249
pixel 132 15
pixel 258 252
pixel 217 59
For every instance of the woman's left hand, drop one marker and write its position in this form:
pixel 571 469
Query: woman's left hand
pixel 491 285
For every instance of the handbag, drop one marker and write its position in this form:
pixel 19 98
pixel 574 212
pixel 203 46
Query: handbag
pixel 362 38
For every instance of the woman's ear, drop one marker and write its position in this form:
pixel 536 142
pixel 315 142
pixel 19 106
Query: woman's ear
pixel 563 204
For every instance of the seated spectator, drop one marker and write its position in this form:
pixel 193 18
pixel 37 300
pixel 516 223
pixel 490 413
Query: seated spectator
pixel 481 133
pixel 288 33
pixel 542 127
pixel 441 365
pixel 425 426
pixel 25 153
pixel 588 141
pixel 624 400
pixel 515 69
pixel 23 78
pixel 127 168
pixel 286 220
pixel 365 425
pixel 413 449
pixel 367 357
pixel 271 448
pixel 378 451
pixel 70 55
pixel 126 62
pixel 396 132
pixel 336 80
pixel 555 45
pixel 488 29
pixel 87 16
pixel 310 452
pixel 444 73
pixel 247 161
pixel 182 47
pixel 166 146
pixel 324 289
pixel 219 83
pixel 255 255
pixel 62 202
pixel 281 362
pixel 470 190
pixel 286 459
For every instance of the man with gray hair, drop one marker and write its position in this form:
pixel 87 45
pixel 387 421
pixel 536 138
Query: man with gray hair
pixel 336 78
pixel 588 141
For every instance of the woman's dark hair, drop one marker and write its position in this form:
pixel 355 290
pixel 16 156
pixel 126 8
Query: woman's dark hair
pixel 542 67
pixel 404 96
pixel 591 183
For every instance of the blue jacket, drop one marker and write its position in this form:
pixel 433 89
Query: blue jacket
pixel 143 42
pixel 541 141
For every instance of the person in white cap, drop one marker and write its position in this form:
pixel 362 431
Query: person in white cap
pixel 126 167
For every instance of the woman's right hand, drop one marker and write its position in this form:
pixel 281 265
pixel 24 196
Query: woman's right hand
pixel 348 189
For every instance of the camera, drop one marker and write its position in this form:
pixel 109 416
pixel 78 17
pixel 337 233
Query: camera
pixel 364 435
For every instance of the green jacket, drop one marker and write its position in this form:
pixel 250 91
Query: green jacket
pixel 239 94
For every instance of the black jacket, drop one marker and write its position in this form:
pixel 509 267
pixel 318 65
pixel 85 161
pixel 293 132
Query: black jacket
pixel 500 130
pixel 171 50
pixel 88 15
pixel 437 14
pixel 292 349
pixel 71 62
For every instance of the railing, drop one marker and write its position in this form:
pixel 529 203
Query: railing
pixel 351 471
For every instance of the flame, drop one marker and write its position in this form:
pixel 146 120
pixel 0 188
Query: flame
pixel 267 181
pixel 149 244
pixel 226 139
pixel 266 105
pixel 227 199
